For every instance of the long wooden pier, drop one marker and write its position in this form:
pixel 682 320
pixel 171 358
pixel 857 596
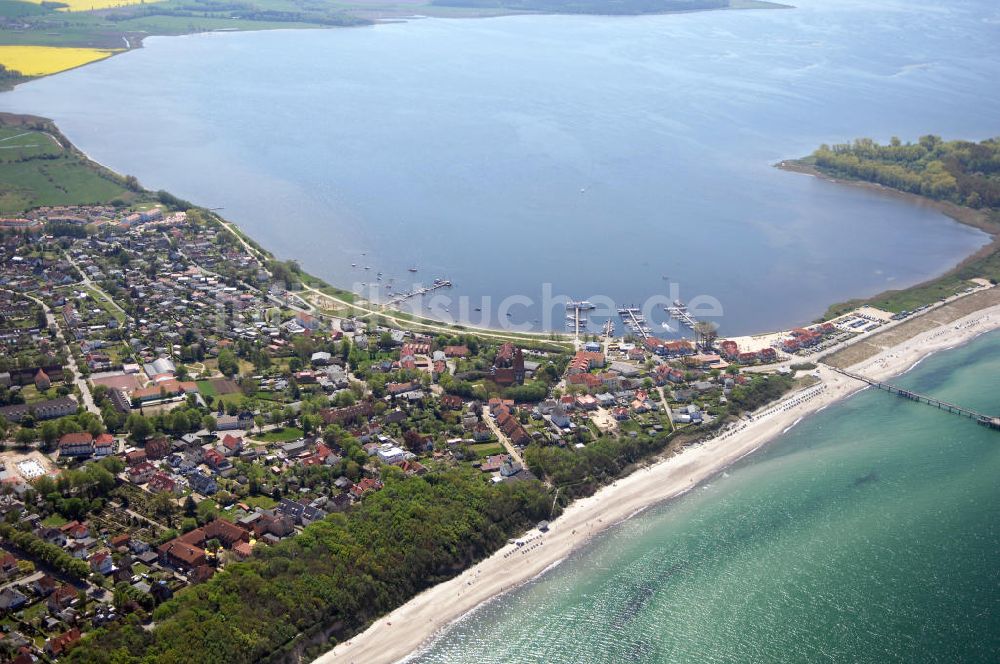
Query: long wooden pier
pixel 981 418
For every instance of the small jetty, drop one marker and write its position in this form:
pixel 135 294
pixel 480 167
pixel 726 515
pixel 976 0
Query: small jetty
pixel 679 311
pixel 576 315
pixel 635 321
pixel 417 292
pixel 985 420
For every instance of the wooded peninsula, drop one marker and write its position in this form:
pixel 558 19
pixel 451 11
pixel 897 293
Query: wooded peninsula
pixel 961 178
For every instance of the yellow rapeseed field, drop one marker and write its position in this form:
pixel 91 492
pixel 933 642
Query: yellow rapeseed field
pixel 87 5
pixel 41 60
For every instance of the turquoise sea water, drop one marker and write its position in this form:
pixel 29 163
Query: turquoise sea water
pixel 868 533
pixel 598 154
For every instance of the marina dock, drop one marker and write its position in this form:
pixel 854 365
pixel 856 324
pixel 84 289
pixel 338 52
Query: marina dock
pixel 679 311
pixel 985 420
pixel 576 316
pixel 635 321
pixel 417 292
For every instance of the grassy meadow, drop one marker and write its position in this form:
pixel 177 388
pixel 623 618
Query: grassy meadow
pixel 37 169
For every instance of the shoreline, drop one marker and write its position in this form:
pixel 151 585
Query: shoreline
pixel 411 628
pixel 369 18
pixel 963 215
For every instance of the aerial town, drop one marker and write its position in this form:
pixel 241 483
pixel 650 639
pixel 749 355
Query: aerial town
pixel 169 404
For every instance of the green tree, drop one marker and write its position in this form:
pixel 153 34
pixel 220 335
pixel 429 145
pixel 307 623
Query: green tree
pixel 228 364
pixel 139 427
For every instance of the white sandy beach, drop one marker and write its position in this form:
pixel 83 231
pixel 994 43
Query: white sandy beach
pixel 402 632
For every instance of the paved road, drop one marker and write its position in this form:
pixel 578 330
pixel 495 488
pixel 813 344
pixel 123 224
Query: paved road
pixel 666 407
pixel 502 437
pixel 97 289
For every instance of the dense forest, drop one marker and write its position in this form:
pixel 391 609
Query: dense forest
pixel 589 6
pixel 333 578
pixel 961 172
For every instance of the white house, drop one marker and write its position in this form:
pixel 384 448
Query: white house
pixel 389 453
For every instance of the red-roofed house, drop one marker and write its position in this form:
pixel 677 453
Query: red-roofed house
pixel 232 445
pixel 157 448
pixel 141 473
pixel 104 445
pixel 101 562
pixel 729 349
pixel 60 645
pixel 213 458
pixel 135 457
pixel 62 597
pixel 451 402
pixel 162 483
pixel 76 445
pixel 588 380
pixel 584 361
pixel 364 486
pixel 8 565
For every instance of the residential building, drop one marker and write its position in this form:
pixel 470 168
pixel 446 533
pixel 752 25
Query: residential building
pixel 76 445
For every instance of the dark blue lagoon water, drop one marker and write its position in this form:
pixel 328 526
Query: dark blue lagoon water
pixel 597 154
pixel 868 533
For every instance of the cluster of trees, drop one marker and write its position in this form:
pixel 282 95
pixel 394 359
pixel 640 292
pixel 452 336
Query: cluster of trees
pixel 61 229
pixel 50 431
pixel 172 201
pixel 287 272
pixel 9 74
pixel 759 391
pixel 962 172
pixel 530 392
pixel 462 388
pixel 228 364
pixel 50 554
pixel 125 595
pixel 78 492
pixel 580 472
pixel 332 579
pixel 178 422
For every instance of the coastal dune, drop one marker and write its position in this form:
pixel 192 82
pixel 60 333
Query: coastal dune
pixel 401 633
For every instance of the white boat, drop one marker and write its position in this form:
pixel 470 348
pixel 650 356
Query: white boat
pixel 582 304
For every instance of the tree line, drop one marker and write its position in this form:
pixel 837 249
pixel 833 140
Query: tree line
pixel 589 6
pixel 332 579
pixel 961 172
